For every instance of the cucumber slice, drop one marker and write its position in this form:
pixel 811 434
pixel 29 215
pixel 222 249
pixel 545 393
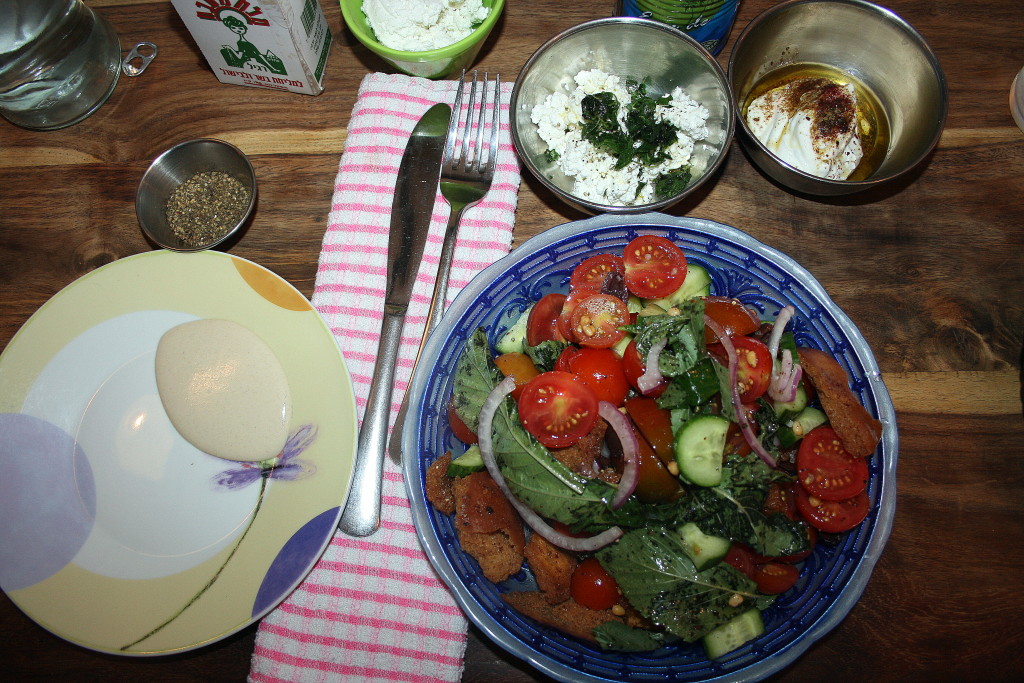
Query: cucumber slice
pixel 705 550
pixel 696 283
pixel 466 464
pixel 798 403
pixel 514 339
pixel 730 635
pixel 806 420
pixel 620 346
pixel 699 448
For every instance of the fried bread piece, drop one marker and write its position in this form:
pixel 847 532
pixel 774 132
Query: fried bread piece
pixel 569 616
pixel 552 568
pixel 488 526
pixel 439 485
pixel 582 457
pixel 857 429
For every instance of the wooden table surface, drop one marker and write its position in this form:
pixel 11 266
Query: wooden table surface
pixel 930 269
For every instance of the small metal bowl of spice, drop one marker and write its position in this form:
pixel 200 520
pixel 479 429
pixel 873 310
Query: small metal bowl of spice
pixel 196 195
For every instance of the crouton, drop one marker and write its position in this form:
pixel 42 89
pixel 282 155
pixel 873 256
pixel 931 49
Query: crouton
pixel 569 616
pixel 552 568
pixel 488 527
pixel 439 485
pixel 857 429
pixel 582 457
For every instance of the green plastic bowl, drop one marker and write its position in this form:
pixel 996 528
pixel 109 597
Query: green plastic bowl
pixel 430 63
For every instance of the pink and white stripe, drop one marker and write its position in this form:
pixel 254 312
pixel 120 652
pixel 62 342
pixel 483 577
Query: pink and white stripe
pixel 373 609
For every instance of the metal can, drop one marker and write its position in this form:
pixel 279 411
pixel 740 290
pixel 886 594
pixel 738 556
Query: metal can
pixel 706 21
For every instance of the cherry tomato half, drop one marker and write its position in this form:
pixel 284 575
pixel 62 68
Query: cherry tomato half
pixel 557 409
pixel 773 578
pixel 565 318
pixel 462 432
pixel 780 500
pixel 599 369
pixel 590 275
pixel 598 319
pixel 655 267
pixel 519 367
pixel 655 424
pixel 832 516
pixel 655 484
pixel 635 367
pixel 826 470
pixel 542 324
pixel 592 586
pixel 732 315
pixel 754 366
pixel 739 557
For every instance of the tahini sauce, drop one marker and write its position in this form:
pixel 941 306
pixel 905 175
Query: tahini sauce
pixel 223 389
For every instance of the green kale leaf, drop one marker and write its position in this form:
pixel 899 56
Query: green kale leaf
pixel 733 509
pixel 614 635
pixel 545 354
pixel 656 576
pixel 475 376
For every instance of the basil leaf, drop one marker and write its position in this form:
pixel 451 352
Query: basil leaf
pixel 475 376
pixel 654 573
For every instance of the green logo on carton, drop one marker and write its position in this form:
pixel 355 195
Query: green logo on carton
pixel 238 17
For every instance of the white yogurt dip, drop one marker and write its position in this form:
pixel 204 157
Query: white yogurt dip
pixel 223 389
pixel 420 25
pixel 811 124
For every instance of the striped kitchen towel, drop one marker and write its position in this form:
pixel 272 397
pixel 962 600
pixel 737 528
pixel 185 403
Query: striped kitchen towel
pixel 373 609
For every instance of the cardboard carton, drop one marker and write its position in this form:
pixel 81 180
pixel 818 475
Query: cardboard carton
pixel 279 44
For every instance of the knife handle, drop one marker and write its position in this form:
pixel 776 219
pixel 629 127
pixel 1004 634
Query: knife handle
pixel 361 516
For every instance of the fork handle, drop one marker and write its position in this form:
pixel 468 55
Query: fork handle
pixel 437 302
pixel 444 268
pixel 361 516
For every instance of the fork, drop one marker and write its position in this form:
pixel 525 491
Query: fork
pixel 466 175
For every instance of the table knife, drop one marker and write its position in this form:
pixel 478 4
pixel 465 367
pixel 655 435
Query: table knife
pixel 411 209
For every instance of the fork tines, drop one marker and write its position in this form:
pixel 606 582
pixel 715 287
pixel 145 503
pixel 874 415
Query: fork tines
pixel 476 157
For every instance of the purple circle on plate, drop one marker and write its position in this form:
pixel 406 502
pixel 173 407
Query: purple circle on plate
pixel 294 560
pixel 47 500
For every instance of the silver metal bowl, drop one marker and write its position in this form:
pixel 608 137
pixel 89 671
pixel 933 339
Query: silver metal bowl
pixel 867 41
pixel 171 169
pixel 629 47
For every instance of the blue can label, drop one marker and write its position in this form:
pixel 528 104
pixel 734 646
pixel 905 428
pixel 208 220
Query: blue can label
pixel 706 21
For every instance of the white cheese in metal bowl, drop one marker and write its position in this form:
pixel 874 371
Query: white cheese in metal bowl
pixel 559 124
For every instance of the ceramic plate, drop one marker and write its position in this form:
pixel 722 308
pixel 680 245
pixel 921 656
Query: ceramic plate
pixel 117 534
pixel 832 578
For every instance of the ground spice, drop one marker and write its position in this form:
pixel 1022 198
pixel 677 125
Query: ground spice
pixel 205 207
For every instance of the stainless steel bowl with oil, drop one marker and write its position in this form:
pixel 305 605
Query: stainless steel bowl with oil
pixel 878 49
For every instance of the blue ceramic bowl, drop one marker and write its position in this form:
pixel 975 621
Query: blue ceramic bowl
pixel 832 578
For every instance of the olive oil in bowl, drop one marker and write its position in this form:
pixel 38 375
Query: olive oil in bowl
pixel 872 122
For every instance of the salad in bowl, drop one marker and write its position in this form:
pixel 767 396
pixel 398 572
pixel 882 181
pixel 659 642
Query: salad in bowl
pixel 652 444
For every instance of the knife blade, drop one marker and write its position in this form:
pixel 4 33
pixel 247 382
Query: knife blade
pixel 415 192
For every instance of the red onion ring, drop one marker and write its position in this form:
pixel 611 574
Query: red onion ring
pixel 535 521
pixel 652 376
pixel 785 374
pixel 737 405
pixel 781 320
pixel 630 451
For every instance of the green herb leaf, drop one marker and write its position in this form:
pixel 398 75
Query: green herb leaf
pixel 475 376
pixel 614 635
pixel 660 581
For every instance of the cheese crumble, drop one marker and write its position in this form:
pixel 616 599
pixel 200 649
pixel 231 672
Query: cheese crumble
pixel 420 25
pixel 559 123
